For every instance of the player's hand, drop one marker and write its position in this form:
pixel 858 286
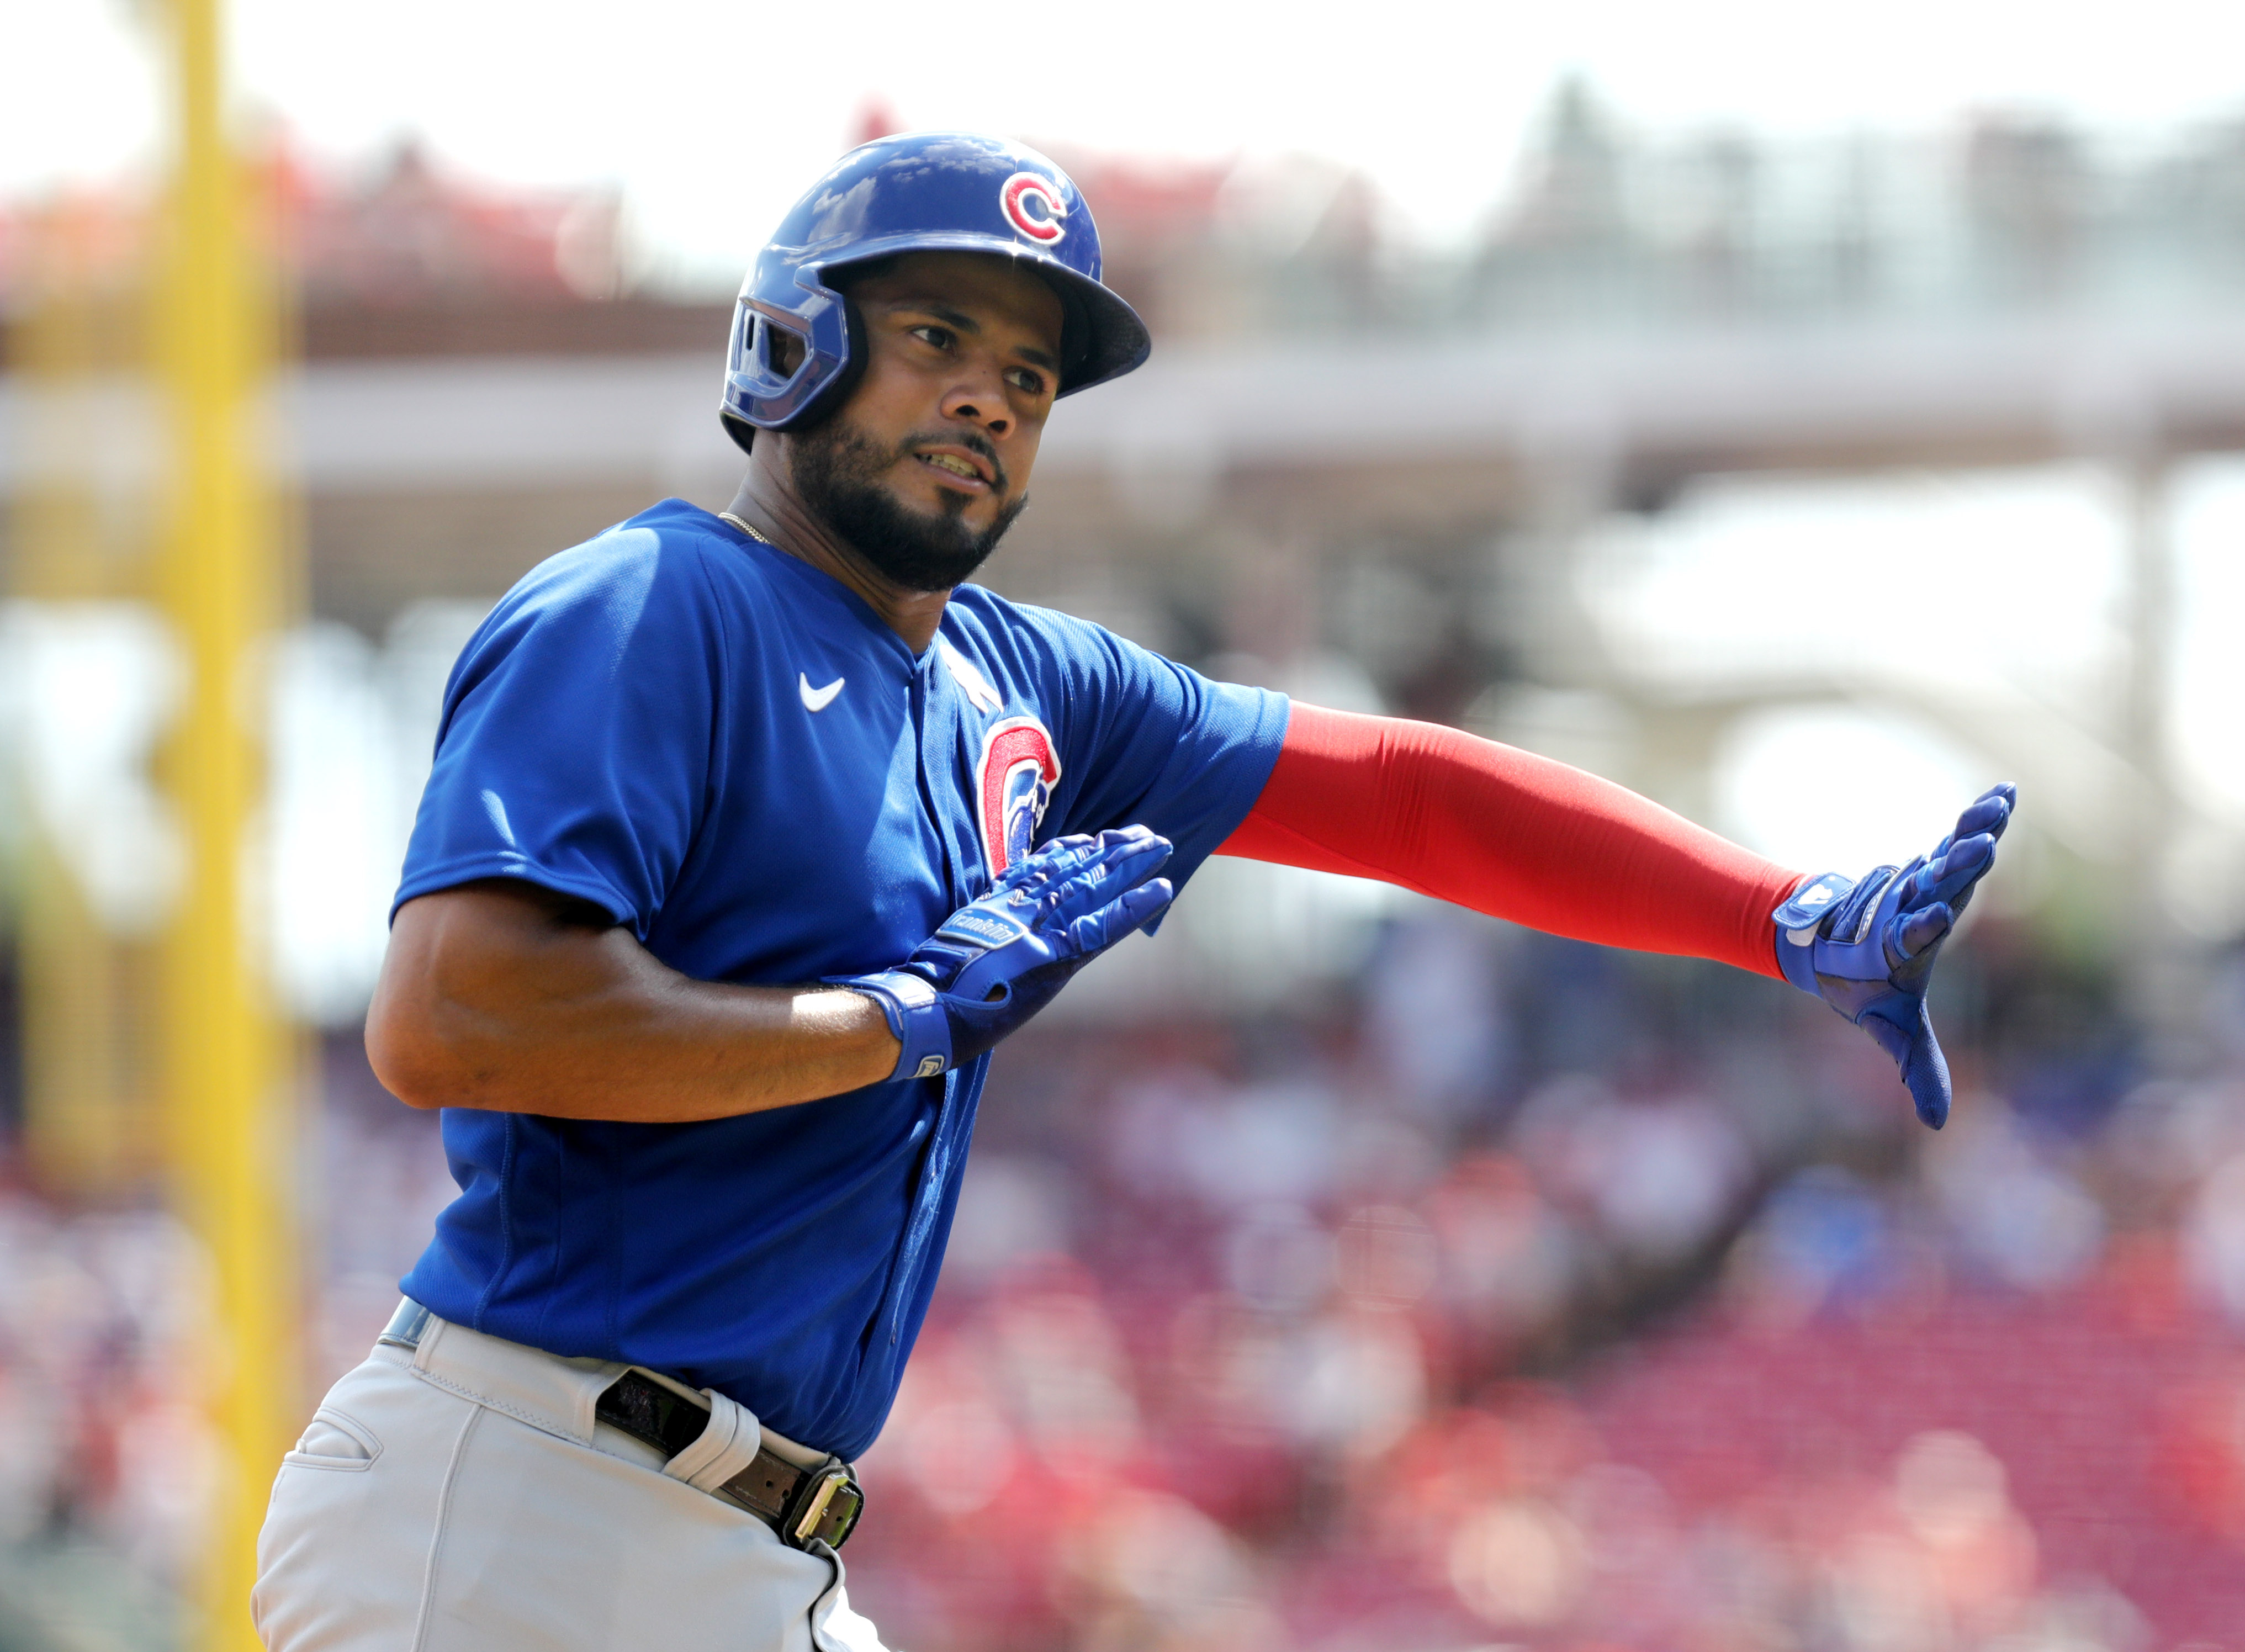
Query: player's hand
pixel 1867 949
pixel 998 960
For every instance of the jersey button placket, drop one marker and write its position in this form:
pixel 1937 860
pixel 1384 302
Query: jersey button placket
pixel 931 724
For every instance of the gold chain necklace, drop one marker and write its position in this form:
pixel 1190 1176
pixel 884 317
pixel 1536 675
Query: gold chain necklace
pixel 727 516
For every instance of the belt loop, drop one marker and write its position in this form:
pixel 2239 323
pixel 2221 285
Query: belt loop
pixel 431 1333
pixel 407 1326
pixel 728 1445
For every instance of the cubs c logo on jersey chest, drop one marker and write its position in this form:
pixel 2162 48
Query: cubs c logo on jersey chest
pixel 1033 206
pixel 1013 787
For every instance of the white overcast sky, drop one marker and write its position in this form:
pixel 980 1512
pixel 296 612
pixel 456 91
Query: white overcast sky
pixel 712 116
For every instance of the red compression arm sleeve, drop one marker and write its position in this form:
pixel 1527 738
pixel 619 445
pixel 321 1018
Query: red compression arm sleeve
pixel 1510 834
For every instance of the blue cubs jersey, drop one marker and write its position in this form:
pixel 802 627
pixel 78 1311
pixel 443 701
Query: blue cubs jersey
pixel 729 751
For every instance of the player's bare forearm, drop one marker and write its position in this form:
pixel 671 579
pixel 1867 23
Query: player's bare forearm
pixel 502 995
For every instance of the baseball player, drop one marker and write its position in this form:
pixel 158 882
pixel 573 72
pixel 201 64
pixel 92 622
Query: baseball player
pixel 748 837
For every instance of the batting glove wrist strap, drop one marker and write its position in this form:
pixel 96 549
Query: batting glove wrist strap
pixel 910 1006
pixel 1867 949
pixel 998 960
pixel 1800 925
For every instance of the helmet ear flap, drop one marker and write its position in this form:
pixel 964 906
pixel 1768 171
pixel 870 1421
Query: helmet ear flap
pixel 832 394
pixel 771 357
pixel 772 351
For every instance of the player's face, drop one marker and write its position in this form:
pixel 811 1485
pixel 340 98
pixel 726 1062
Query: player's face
pixel 928 462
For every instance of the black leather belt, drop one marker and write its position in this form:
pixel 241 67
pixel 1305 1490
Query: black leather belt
pixel 804 1505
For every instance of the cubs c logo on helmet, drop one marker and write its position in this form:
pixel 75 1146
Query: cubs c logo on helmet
pixel 1014 782
pixel 1032 205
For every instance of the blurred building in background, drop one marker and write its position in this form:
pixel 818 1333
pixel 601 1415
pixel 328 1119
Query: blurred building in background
pixel 1336 1270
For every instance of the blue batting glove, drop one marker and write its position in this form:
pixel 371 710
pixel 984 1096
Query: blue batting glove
pixel 998 960
pixel 1867 949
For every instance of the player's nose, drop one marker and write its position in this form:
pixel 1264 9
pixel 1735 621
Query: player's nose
pixel 977 395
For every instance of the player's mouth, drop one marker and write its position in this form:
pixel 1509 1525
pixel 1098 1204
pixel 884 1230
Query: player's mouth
pixel 959 468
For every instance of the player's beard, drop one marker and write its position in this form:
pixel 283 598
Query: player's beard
pixel 838 470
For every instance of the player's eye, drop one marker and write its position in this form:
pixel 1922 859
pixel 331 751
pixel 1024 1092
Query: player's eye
pixel 938 336
pixel 1027 380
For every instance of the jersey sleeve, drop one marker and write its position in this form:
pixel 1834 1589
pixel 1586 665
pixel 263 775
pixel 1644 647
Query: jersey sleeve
pixel 1147 741
pixel 574 751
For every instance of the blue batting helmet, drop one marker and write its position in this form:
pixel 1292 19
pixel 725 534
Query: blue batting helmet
pixel 926 192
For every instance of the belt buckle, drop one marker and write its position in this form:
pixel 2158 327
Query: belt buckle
pixel 827 1503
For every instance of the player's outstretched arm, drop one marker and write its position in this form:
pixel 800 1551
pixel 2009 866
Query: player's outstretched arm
pixel 1524 839
pixel 502 995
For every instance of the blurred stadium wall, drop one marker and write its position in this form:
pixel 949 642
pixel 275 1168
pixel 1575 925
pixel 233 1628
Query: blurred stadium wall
pixel 1806 488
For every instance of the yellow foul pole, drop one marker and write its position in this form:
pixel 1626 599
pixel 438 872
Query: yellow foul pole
pixel 226 1061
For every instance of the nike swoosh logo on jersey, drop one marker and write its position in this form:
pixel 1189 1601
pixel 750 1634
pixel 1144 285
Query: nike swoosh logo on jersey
pixel 816 699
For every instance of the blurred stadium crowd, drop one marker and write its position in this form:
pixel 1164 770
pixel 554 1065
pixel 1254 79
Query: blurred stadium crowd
pixel 1519 1294
pixel 1641 1317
